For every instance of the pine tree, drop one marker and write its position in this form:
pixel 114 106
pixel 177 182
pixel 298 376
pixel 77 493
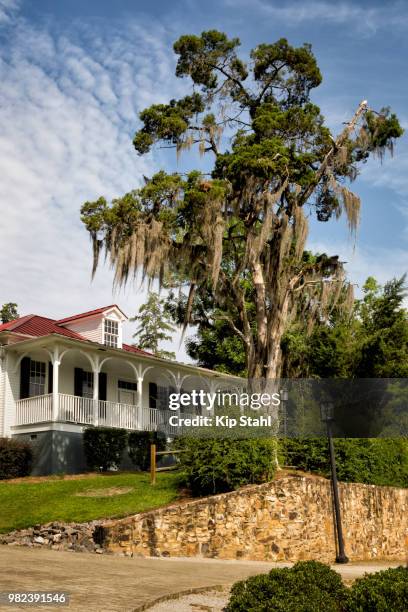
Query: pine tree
pixel 154 326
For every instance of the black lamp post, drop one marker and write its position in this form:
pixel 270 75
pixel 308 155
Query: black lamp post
pixel 284 400
pixel 326 411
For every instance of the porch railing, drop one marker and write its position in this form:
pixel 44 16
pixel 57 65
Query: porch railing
pixel 34 409
pixel 75 409
pixel 86 411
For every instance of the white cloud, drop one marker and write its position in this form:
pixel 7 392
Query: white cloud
pixel 355 16
pixel 393 176
pixel 365 261
pixel 68 110
pixel 8 9
pixel 394 171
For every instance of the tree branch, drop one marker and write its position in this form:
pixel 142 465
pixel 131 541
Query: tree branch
pixel 231 78
pixel 363 106
pixel 234 327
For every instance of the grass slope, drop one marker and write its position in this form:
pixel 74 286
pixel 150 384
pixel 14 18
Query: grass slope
pixel 24 504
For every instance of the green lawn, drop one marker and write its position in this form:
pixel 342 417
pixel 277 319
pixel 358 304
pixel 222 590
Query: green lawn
pixel 24 504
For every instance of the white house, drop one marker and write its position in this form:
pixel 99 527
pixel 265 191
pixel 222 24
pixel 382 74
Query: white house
pixel 59 376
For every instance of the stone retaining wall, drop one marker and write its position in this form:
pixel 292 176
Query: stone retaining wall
pixel 288 519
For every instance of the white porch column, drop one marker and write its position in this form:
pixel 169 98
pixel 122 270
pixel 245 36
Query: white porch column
pixel 140 419
pixel 96 394
pixel 140 391
pixel 96 370
pixel 55 382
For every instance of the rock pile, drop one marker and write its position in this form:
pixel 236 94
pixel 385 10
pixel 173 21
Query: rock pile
pixel 78 537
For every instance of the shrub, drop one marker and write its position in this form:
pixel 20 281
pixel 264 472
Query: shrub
pixel 16 458
pixel 218 465
pixel 104 446
pixel 139 447
pixel 378 461
pixel 385 591
pixel 309 586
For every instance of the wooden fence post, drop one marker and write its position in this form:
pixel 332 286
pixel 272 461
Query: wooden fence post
pixel 153 464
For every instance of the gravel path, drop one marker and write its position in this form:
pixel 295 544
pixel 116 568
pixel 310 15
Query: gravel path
pixel 209 601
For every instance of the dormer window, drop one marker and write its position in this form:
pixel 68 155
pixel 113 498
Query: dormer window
pixel 111 333
pixel 103 325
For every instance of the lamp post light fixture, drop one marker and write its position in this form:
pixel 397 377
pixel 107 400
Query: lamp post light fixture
pixel 327 416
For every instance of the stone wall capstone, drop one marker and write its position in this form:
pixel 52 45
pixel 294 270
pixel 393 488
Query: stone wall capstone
pixel 288 519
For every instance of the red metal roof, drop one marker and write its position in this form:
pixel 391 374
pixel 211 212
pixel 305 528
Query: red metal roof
pixel 12 324
pixel 89 313
pixel 36 326
pixel 134 349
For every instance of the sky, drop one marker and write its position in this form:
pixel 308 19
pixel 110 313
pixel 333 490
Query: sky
pixel 73 77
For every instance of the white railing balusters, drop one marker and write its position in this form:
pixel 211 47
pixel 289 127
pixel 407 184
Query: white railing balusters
pixel 74 409
pixel 36 409
pixel 80 410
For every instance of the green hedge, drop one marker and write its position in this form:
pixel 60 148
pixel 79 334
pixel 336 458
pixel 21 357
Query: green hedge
pixel 139 447
pixel 385 591
pixel 218 465
pixel 308 586
pixel 16 458
pixel 378 461
pixel 104 446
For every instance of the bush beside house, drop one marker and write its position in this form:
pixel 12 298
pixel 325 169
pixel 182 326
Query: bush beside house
pixel 139 443
pixel 104 446
pixel 15 458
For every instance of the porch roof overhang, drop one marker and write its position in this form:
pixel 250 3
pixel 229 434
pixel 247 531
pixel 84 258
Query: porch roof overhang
pixel 54 339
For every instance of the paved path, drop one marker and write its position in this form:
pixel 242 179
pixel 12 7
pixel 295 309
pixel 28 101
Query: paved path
pixel 110 583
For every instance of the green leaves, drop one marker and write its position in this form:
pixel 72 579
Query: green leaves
pixel 8 312
pixel 311 586
pixel 154 326
pixel 93 215
pixel 104 446
pixel 308 586
pixel 377 134
pixel 285 73
pixel 385 591
pixel 167 122
pixel 264 160
pixel 384 325
pixel 201 55
pixel 377 461
pixel 216 465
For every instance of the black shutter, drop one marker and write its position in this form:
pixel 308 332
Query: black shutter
pixel 25 377
pixel 78 378
pixel 50 379
pixel 103 379
pixel 152 395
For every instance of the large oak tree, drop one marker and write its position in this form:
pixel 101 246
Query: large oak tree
pixel 242 229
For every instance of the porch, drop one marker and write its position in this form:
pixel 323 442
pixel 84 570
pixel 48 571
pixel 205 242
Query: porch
pixel 56 384
pixel 65 408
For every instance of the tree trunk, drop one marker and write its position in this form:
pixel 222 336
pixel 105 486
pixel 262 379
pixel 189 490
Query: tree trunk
pixel 265 359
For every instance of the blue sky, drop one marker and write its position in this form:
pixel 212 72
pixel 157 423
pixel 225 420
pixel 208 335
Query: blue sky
pixel 73 77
